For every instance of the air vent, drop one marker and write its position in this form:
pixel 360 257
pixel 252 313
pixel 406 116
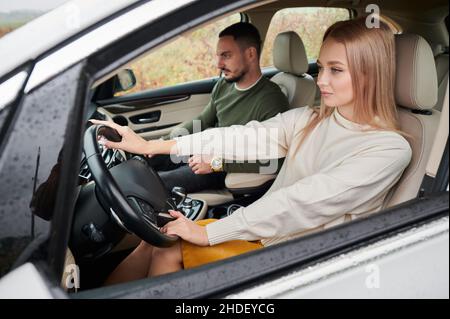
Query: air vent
pixel 121 120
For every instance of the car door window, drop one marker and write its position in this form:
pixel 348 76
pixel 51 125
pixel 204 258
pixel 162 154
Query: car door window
pixel 188 58
pixel 309 23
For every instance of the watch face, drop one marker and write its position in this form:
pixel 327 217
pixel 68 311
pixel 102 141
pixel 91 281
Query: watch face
pixel 216 163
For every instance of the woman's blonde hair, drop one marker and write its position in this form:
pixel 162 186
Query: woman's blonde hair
pixel 371 60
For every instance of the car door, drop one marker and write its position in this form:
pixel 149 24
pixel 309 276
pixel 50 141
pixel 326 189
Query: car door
pixel 42 111
pixel 155 113
pixel 48 112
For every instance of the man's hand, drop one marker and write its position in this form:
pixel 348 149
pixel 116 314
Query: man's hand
pixel 186 229
pixel 200 164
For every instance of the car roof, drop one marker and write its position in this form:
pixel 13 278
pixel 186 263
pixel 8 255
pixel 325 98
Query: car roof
pixel 45 32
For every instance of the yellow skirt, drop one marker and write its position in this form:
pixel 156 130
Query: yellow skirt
pixel 194 255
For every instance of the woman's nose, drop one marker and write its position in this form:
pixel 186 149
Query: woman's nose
pixel 322 79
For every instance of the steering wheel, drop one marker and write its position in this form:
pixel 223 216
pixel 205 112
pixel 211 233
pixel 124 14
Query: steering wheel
pixel 141 202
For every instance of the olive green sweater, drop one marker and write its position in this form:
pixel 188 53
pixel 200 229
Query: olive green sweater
pixel 232 106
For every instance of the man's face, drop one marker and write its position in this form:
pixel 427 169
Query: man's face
pixel 231 60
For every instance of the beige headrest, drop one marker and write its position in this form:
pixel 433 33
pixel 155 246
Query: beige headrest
pixel 289 53
pixel 416 80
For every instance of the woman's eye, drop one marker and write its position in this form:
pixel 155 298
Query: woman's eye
pixel 334 70
pixel 319 67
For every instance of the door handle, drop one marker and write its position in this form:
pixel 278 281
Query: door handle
pixel 146 118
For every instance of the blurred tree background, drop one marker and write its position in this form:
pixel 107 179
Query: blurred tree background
pixel 5 30
pixel 309 23
pixel 187 58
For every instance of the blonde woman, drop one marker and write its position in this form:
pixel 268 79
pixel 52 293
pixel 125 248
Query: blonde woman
pixel 341 158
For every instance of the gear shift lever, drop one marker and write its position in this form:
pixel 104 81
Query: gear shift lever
pixel 180 195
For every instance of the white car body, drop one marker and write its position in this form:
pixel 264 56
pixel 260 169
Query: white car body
pixel 413 263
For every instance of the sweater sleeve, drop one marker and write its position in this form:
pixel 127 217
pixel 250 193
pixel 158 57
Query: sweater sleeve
pixel 317 199
pixel 255 140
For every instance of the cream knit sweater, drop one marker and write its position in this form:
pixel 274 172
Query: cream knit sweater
pixel 342 169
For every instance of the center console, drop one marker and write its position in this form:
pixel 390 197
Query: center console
pixel 193 209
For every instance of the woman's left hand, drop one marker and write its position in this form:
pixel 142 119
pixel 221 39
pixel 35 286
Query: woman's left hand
pixel 186 229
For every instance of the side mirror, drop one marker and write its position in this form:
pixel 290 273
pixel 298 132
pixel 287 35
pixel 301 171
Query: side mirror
pixel 124 80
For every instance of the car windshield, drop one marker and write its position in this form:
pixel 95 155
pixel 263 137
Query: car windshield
pixel 14 14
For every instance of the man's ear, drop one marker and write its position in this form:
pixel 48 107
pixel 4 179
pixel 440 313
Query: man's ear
pixel 251 53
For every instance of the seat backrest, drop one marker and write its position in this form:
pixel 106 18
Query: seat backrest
pixel 441 61
pixel 289 56
pixel 416 94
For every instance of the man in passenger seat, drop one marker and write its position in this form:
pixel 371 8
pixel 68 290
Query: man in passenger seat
pixel 241 95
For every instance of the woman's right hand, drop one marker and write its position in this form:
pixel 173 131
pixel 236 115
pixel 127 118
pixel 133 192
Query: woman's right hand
pixel 131 142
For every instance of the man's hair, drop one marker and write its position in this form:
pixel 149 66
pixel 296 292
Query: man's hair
pixel 245 34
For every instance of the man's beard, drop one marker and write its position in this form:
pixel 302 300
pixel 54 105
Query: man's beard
pixel 237 78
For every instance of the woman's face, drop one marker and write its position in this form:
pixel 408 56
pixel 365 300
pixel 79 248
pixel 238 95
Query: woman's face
pixel 334 78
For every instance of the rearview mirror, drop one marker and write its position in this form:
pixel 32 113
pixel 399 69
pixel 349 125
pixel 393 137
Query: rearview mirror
pixel 124 80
